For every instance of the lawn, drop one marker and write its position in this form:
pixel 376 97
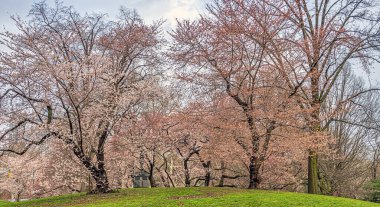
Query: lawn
pixel 193 197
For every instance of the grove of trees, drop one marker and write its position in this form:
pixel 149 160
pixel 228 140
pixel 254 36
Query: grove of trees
pixel 268 94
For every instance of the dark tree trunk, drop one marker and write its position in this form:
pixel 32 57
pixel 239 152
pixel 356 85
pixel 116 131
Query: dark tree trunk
pixel 170 178
pixel 97 171
pixel 206 166
pixel 223 169
pixel 208 178
pixel 254 177
pixel 18 197
pixel 187 173
pixel 101 181
pixel 193 150
pixel 374 170
pixel 100 174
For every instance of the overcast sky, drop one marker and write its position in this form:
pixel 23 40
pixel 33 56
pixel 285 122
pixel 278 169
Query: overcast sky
pixel 148 9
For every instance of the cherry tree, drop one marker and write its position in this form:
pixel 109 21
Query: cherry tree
pixel 226 52
pixel 74 78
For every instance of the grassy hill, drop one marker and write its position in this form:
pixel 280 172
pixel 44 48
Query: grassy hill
pixel 193 197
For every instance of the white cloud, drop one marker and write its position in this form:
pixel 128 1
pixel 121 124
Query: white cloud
pixel 166 9
pixel 182 9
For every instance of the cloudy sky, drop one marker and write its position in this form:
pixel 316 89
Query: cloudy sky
pixel 148 9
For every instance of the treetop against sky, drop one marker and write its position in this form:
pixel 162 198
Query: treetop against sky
pixel 148 9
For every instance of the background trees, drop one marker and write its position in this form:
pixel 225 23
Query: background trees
pixel 326 36
pixel 354 130
pixel 253 89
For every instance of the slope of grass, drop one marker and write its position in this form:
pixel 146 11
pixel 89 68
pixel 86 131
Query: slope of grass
pixel 193 197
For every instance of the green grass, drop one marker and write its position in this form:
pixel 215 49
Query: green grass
pixel 193 197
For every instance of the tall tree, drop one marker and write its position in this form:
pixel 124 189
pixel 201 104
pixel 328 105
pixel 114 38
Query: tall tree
pixel 74 78
pixel 325 37
pixel 226 51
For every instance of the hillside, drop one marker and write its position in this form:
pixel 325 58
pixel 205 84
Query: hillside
pixel 193 197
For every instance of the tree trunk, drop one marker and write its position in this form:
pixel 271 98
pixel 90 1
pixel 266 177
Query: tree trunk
pixel 187 173
pixel 89 183
pixel 206 167
pixel 208 177
pixel 151 174
pixel 223 169
pixel 101 181
pixel 98 172
pixel 374 171
pixel 312 173
pixel 102 185
pixel 254 177
pixel 18 196
pixel 169 177
pixel 324 184
pixel 97 169
pixel 374 165
pixel 315 127
pixel 165 182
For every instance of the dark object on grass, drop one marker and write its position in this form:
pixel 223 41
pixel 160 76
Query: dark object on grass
pixel 141 180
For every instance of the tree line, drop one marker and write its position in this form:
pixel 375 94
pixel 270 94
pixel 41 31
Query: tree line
pixel 253 93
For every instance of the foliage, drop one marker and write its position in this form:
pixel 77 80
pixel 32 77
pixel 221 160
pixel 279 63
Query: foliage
pixel 77 78
pixel 373 188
